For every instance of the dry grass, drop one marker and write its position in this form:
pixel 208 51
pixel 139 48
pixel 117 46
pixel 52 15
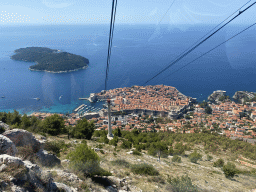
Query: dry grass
pixel 202 174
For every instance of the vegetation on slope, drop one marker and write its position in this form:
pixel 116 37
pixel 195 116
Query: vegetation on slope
pixel 49 59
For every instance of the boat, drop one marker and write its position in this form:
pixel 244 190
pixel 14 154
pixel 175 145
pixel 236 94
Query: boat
pixel 3 96
pixel 37 99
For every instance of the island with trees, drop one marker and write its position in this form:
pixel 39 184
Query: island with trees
pixel 50 60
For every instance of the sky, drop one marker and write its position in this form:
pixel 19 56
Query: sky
pixel 56 12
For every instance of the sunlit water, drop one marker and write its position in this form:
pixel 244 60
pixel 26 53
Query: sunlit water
pixel 138 53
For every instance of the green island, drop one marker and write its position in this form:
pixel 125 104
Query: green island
pixel 50 60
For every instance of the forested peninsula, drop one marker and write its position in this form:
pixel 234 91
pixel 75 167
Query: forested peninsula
pixel 50 60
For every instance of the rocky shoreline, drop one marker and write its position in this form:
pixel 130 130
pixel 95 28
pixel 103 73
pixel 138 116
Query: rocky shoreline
pixel 59 71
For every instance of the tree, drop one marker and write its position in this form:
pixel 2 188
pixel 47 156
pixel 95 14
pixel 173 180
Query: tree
pixel 25 122
pixel 204 104
pixel 83 129
pixel 3 117
pixel 208 110
pixel 117 132
pixel 126 145
pixel 15 118
pixel 53 125
pixel 159 149
pixel 229 170
pixel 114 141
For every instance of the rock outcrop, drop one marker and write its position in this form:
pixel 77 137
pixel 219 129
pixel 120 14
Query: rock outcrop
pixel 22 138
pixel 241 96
pixel 49 160
pixel 217 96
pixel 4 125
pixel 7 146
pixel 32 174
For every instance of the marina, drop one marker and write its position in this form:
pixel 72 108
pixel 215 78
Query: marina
pixel 79 107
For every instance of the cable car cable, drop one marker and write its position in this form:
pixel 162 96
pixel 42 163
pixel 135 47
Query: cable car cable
pixel 111 31
pixel 211 50
pixel 199 44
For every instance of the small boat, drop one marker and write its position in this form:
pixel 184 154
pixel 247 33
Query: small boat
pixel 3 96
pixel 37 99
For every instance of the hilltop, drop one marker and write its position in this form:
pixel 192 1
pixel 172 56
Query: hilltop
pixel 50 60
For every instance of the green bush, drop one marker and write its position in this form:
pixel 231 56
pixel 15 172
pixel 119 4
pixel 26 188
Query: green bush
pixel 83 130
pixel 53 125
pixel 121 162
pixel 194 157
pixel 176 158
pixel 104 139
pixel 218 163
pixel 55 146
pixel 180 184
pixel 209 157
pixel 84 159
pixel 100 146
pixel 156 179
pixel 229 170
pixel 135 152
pixel 114 141
pixel 2 129
pixel 126 145
pixel 144 169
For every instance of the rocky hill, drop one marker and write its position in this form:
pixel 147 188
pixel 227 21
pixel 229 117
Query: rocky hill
pixel 218 96
pixel 25 165
pixel 241 96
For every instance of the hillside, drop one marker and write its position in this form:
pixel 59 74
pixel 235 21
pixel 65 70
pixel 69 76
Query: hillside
pixel 121 163
pixel 50 60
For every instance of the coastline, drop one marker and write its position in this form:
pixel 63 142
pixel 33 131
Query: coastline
pixel 60 71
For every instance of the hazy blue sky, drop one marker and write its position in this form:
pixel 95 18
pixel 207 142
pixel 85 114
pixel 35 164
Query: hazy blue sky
pixel 128 11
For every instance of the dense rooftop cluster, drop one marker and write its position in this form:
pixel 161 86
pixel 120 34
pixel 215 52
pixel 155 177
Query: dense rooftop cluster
pixel 154 98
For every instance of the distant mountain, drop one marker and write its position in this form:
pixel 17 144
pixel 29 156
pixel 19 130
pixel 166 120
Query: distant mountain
pixel 50 60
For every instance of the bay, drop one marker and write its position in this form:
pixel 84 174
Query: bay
pixel 138 53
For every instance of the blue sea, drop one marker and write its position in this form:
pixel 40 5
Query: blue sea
pixel 138 53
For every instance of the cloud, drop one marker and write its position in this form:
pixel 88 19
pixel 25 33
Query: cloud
pixel 58 3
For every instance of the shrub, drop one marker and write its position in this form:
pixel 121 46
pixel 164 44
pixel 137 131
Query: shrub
pixel 156 179
pixel 144 169
pixel 194 157
pixel 83 130
pixel 135 152
pixel 2 129
pixel 176 158
pixel 121 162
pixel 55 146
pixel 114 141
pixel 209 157
pixel 53 125
pixel 126 145
pixel 182 183
pixel 229 170
pixel 100 146
pixel 27 153
pixel 84 159
pixel 218 163
pixel 104 139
